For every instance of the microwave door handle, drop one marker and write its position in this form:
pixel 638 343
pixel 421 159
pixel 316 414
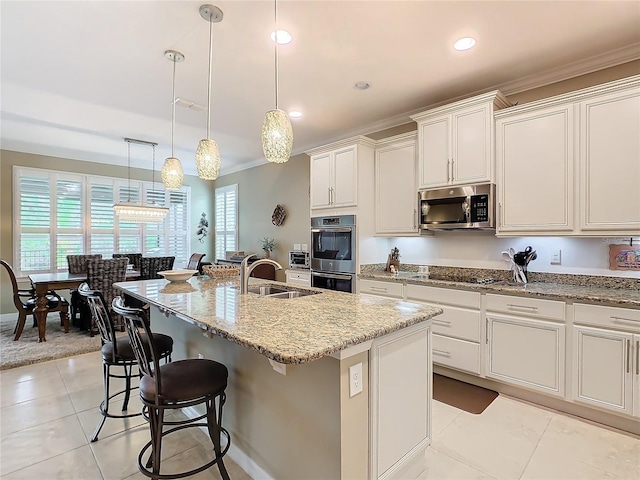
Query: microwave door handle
pixel 331 275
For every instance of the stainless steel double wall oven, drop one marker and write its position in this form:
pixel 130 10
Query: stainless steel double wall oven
pixel 333 252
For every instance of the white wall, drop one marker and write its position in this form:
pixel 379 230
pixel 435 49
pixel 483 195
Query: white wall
pixel 585 256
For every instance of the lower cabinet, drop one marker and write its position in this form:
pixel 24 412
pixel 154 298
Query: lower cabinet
pixel 606 360
pixel 300 278
pixel 526 342
pixel 383 289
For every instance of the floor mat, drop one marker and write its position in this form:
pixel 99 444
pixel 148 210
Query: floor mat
pixel 464 396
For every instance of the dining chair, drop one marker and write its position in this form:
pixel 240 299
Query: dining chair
pixel 117 352
pixel 134 259
pixel 150 266
pixel 78 264
pixel 25 302
pixel 101 275
pixel 194 261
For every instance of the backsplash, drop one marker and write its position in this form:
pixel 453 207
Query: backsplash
pixel 472 275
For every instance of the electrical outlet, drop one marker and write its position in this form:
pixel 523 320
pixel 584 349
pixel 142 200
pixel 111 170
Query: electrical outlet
pixel 200 355
pixel 296 247
pixel 556 257
pixel 355 379
pixel 305 247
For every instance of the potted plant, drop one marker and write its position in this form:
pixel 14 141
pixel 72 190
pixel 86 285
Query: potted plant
pixel 267 246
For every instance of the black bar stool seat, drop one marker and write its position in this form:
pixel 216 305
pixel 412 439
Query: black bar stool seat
pixel 172 386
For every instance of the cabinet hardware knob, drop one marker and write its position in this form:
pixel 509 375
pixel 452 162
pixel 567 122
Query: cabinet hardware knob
pixel 442 353
pixel 628 354
pixel 444 323
pixel 526 307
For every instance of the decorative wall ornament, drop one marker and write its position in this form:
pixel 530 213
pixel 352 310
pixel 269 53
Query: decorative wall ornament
pixel 279 214
pixel 203 226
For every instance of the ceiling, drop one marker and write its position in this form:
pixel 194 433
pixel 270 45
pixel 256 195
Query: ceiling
pixel 79 76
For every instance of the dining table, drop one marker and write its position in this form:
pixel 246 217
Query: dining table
pixel 44 282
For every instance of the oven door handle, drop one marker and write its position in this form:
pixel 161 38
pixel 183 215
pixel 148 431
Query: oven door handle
pixel 331 275
pixel 331 230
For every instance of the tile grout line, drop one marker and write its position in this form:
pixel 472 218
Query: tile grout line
pixel 537 445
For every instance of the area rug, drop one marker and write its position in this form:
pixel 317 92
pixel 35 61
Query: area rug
pixel 26 350
pixel 467 397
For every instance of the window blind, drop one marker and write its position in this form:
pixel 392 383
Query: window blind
pixel 226 221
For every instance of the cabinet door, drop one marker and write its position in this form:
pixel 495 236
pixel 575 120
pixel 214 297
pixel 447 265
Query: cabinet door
pixel 345 191
pixel 535 171
pixel 321 180
pixel 610 163
pixel 434 139
pixel 395 189
pixel 602 368
pixel 471 155
pixel 636 376
pixel 528 353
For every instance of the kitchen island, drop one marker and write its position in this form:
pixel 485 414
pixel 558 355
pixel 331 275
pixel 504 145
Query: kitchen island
pixel 297 408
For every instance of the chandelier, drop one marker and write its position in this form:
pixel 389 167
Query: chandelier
pixel 130 212
pixel 277 134
pixel 208 154
pixel 172 174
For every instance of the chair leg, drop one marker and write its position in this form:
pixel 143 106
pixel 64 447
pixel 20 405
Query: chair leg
pixel 156 420
pixel 64 319
pixel 127 393
pixel 104 406
pixel 22 318
pixel 213 425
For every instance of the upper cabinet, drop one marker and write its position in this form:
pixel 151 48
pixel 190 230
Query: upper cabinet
pixel 334 172
pixel 455 141
pixel 396 192
pixel 570 165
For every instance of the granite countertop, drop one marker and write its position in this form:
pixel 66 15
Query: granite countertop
pixel 622 297
pixel 290 331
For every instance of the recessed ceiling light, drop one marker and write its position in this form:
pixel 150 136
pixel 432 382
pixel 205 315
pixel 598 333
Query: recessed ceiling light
pixel 284 37
pixel 464 44
pixel 362 85
pixel 295 114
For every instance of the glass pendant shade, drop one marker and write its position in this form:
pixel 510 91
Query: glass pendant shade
pixel 172 174
pixel 277 136
pixel 128 212
pixel 208 159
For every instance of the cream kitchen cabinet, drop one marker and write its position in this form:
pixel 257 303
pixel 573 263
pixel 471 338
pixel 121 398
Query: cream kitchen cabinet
pixel 334 172
pixel 455 141
pixel 570 164
pixel 457 331
pixel 300 277
pixel 383 289
pixel 610 163
pixel 535 163
pixel 395 186
pixel 606 358
pixel 526 342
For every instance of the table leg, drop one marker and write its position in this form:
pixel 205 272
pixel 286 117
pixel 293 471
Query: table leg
pixel 41 311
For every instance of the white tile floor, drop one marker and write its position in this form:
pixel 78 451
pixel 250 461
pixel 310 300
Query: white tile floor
pixel 48 413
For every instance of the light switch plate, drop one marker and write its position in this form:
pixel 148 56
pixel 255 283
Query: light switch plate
pixel 556 257
pixel 305 247
pixel 296 247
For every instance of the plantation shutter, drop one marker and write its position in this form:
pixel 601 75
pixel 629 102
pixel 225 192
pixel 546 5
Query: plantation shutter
pixel 35 222
pixel 226 221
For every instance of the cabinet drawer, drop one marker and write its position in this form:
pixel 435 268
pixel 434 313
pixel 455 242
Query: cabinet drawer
pixel 459 298
pixel 458 322
pixel 458 354
pixel 613 317
pixel 386 289
pixel 530 307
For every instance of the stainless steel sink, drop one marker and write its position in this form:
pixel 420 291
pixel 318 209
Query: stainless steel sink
pixel 278 291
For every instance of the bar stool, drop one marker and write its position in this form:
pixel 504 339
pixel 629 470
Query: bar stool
pixel 175 385
pixel 117 352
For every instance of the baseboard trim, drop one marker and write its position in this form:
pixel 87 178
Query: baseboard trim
pixel 237 455
pixel 629 425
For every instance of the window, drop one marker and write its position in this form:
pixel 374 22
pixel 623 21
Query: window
pixel 58 214
pixel 226 220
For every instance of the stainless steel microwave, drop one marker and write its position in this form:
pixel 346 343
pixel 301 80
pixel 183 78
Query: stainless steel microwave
pixel 458 208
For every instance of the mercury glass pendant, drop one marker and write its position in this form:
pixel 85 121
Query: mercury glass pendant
pixel 208 154
pixel 277 136
pixel 172 174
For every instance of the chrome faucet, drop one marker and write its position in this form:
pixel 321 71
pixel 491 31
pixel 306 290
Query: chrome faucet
pixel 246 269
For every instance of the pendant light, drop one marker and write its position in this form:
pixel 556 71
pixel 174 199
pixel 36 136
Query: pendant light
pixel 277 135
pixel 208 154
pixel 172 174
pixel 130 212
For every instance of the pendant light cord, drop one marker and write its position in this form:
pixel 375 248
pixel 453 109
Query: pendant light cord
pixel 210 74
pixel 276 47
pixel 173 101
pixel 128 171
